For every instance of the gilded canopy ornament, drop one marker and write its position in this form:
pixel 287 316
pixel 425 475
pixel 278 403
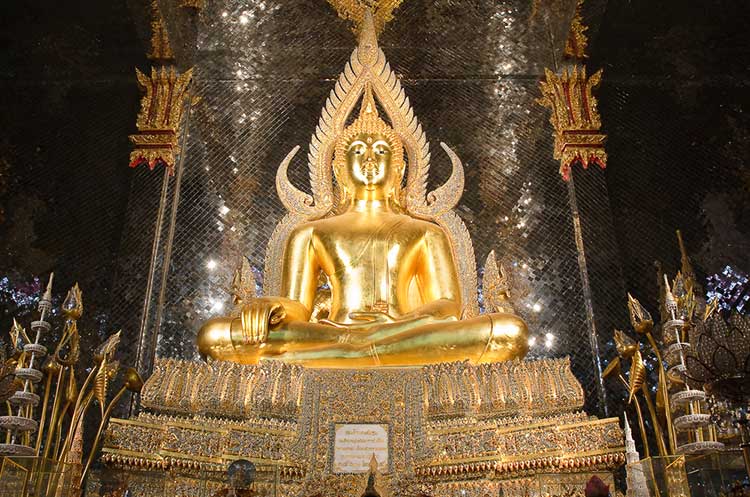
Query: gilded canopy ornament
pixel 355 11
pixel 578 136
pixel 161 49
pixel 156 142
pixel 575 45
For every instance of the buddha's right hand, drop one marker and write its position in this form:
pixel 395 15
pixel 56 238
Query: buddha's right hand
pixel 257 317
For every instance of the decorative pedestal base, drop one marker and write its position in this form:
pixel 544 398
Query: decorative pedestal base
pixel 434 429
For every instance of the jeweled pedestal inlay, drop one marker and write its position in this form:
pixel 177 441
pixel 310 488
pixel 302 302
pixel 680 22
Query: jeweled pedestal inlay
pixel 492 425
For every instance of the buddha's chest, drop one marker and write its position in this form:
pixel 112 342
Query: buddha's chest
pixel 366 251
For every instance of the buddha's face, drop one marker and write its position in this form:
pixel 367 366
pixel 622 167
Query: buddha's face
pixel 368 164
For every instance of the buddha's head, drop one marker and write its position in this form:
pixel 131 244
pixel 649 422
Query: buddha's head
pixel 369 157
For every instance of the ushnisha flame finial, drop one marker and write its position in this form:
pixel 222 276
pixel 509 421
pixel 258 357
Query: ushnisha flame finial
pixel 368 40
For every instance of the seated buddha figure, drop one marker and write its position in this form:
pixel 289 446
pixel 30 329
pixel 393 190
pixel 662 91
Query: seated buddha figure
pixel 394 286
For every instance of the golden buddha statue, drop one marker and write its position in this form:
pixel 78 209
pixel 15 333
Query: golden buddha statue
pixel 367 275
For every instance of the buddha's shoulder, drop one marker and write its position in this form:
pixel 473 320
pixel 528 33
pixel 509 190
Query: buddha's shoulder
pixel 350 221
pixel 423 226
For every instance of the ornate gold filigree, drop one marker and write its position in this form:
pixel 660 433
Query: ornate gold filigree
pixel 448 424
pixel 355 11
pixel 575 118
pixel 224 388
pixel 496 286
pixel 575 45
pixel 243 285
pixel 161 49
pixel 160 116
pixel 368 69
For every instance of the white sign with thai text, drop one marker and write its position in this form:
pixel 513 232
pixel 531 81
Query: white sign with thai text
pixel 355 444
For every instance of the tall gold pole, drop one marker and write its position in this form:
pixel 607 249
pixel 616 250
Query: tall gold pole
pixel 642 426
pixel 56 447
pixel 43 420
pixel 655 420
pixel 74 422
pixel 665 398
pixel 102 423
pixel 77 408
pixel 54 414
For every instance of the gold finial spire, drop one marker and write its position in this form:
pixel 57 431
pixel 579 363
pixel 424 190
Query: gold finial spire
pixel 72 307
pixel 687 267
pixel 368 39
pixel 368 103
pixel 669 301
pixel 48 291
pixel 380 12
pixel 640 318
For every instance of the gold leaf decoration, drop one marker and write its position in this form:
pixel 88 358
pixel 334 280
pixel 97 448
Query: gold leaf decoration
pixel 354 10
pixel 626 346
pixel 107 371
pixel 614 367
pixel 575 45
pixel 640 318
pixel 637 375
pixel 18 336
pixel 243 283
pixel 496 286
pixel 711 308
pixel 106 350
pixel 71 340
pixel 72 307
pixel 575 118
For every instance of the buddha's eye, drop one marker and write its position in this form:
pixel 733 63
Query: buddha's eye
pixel 380 151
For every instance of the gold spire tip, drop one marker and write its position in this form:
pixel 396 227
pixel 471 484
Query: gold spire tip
pixel 379 13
